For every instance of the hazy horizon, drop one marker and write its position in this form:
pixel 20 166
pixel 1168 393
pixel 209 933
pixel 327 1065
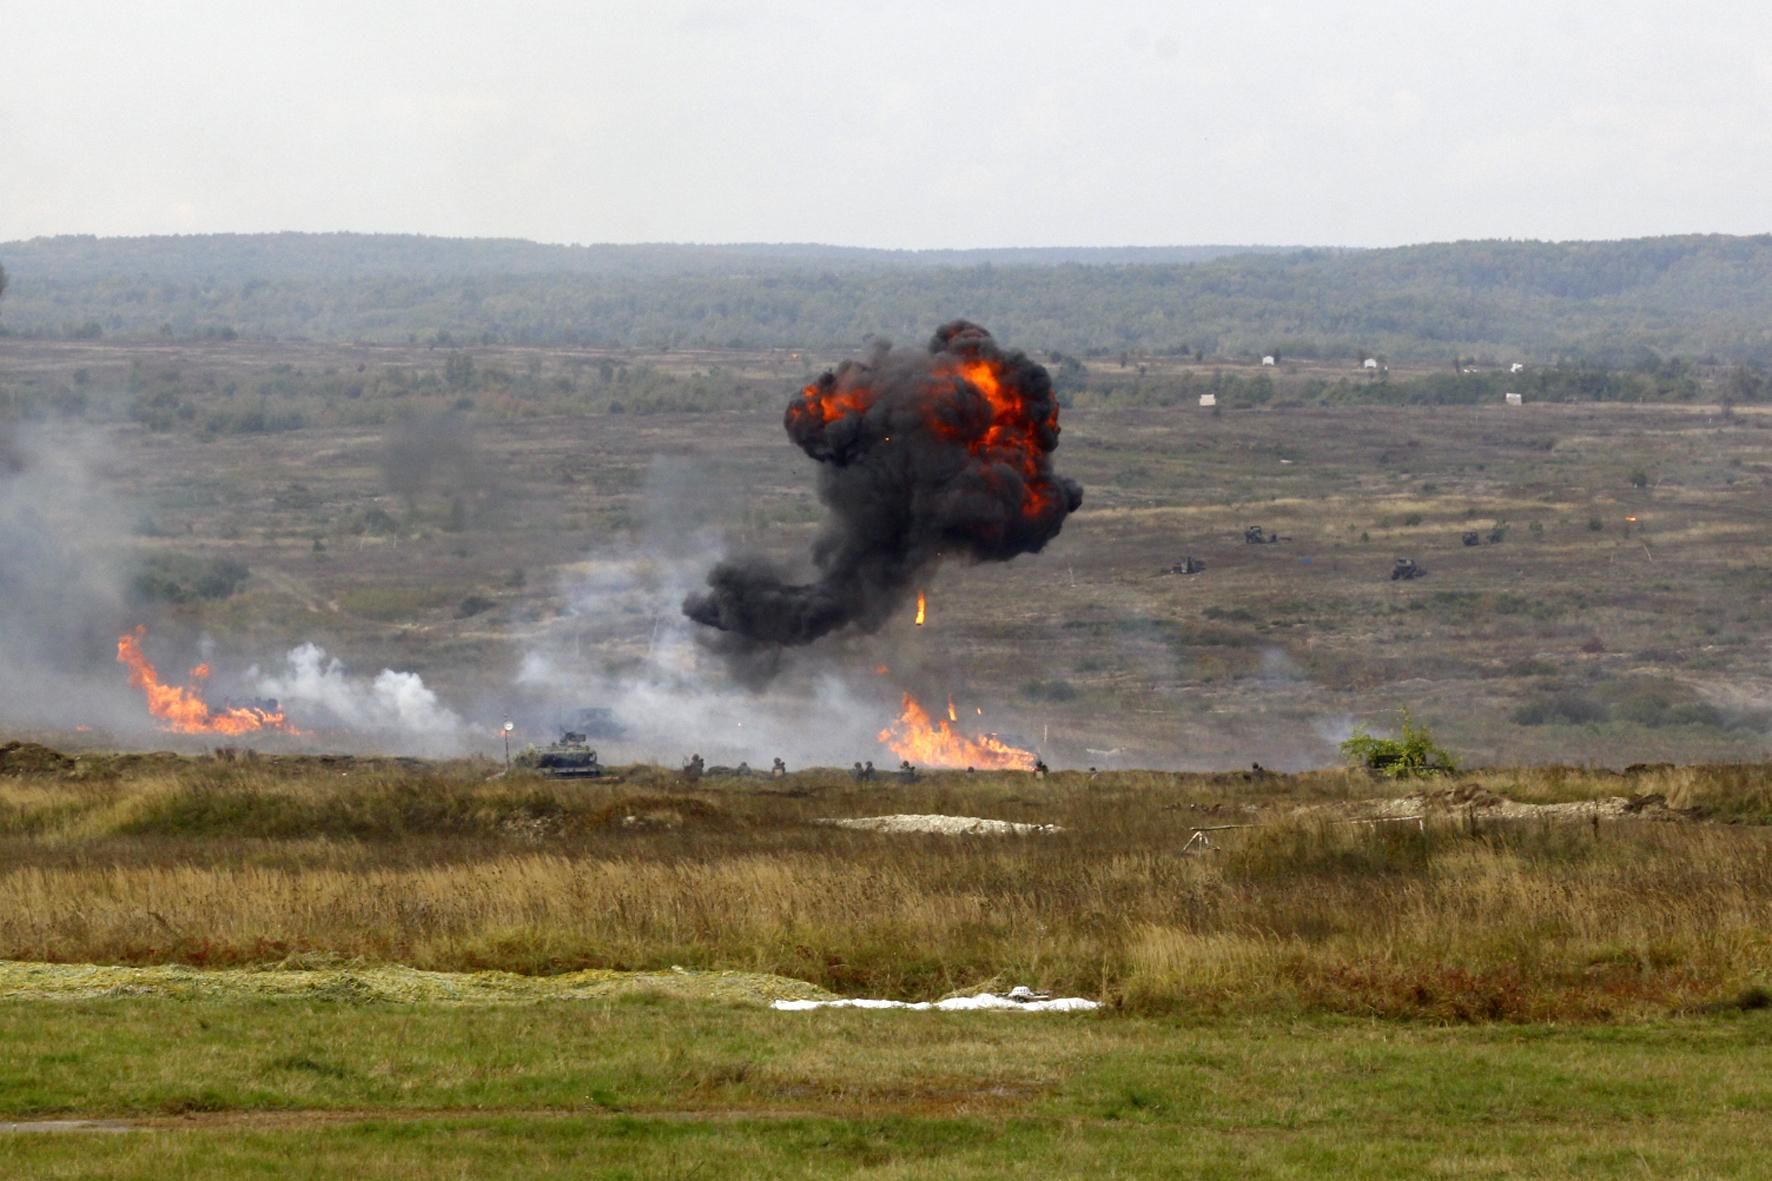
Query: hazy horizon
pixel 950 126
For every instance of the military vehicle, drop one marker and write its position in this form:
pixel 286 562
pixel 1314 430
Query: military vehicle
pixel 1472 537
pixel 1256 535
pixel 1405 569
pixel 569 758
pixel 1188 565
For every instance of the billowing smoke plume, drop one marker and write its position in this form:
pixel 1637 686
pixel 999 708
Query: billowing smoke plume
pixel 62 579
pixel 396 705
pixel 924 455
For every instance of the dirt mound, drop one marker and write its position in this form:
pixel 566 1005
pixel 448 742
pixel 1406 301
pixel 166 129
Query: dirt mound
pixel 28 758
pixel 1466 799
pixel 356 983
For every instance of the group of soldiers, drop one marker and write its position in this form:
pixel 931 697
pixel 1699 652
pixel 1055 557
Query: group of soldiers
pixel 697 767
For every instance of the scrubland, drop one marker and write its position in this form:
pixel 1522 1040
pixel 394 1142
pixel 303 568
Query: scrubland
pixel 1304 910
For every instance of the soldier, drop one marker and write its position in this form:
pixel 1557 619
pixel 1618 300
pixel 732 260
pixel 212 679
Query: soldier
pixel 694 767
pixel 779 770
pixel 907 772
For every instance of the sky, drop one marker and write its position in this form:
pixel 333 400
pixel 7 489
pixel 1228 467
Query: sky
pixel 908 125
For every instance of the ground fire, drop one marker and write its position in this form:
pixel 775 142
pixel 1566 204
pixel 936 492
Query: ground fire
pixel 916 739
pixel 181 709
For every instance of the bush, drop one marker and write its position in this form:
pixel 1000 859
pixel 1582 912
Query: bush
pixel 1570 707
pixel 1415 755
pixel 180 578
pixel 474 605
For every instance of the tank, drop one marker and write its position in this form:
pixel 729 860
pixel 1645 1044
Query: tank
pixel 569 758
pixel 1405 569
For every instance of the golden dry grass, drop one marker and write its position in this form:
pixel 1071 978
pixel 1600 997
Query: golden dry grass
pixel 436 869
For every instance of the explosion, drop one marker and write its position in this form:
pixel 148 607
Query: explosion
pixel 935 744
pixel 922 454
pixel 181 709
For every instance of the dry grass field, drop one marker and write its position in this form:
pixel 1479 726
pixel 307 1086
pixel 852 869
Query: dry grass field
pixel 1557 970
pixel 1616 621
pixel 1482 910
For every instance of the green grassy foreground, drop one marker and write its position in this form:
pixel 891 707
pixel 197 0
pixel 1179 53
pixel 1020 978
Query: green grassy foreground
pixel 651 1087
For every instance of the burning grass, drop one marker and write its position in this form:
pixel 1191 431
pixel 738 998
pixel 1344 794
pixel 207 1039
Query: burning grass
pixel 435 867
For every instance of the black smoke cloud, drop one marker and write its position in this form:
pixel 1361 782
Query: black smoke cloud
pixel 923 454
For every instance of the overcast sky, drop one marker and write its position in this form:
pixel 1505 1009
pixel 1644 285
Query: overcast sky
pixel 905 125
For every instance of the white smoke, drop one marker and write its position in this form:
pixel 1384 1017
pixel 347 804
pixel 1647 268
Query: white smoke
pixel 394 704
pixel 623 648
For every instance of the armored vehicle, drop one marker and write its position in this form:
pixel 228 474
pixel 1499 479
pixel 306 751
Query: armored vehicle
pixel 1406 569
pixel 569 758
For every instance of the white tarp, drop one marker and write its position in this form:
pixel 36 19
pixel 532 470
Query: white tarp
pixel 1020 999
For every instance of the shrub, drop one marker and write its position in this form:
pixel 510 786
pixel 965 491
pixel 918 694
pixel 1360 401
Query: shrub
pixel 180 578
pixel 1415 755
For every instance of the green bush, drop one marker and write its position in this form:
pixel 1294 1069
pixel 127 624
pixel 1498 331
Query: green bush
pixel 1415 755
pixel 180 578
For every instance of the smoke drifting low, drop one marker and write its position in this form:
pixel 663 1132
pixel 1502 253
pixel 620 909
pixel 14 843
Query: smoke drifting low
pixel 923 455
pixel 392 705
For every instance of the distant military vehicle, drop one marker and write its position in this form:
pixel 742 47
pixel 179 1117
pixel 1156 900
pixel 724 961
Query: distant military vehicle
pixel 1256 535
pixel 569 758
pixel 1188 565
pixel 1405 569
pixel 1472 537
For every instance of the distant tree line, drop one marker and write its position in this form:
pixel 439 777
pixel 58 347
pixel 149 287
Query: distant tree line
pixel 1595 303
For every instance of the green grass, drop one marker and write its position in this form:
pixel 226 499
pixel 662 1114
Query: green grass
pixel 650 1088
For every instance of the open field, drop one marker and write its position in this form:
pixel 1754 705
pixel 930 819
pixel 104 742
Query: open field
pixel 663 1088
pixel 1581 636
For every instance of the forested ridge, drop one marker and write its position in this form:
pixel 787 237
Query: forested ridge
pixel 1707 297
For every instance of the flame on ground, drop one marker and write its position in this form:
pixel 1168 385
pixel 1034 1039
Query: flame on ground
pixel 935 744
pixel 181 709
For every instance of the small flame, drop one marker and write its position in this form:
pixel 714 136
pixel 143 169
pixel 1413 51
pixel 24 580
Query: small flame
pixel 913 737
pixel 952 717
pixel 182 710
pixel 922 608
